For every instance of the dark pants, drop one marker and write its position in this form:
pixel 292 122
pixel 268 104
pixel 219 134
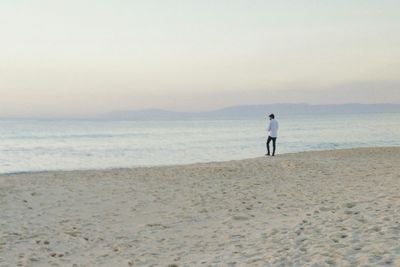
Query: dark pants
pixel 273 139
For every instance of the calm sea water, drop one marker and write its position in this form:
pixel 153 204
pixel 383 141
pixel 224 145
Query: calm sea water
pixel 68 145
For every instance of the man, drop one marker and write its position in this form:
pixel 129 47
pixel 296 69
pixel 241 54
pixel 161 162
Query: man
pixel 273 134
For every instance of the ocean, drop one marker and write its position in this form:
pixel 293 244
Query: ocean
pixel 44 145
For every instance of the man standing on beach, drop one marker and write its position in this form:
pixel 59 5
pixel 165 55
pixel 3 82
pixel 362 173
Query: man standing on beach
pixel 273 134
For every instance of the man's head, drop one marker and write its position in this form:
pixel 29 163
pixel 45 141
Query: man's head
pixel 271 116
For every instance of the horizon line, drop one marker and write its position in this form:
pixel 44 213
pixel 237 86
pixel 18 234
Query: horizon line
pixel 102 115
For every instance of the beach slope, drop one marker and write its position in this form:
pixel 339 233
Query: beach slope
pixel 338 207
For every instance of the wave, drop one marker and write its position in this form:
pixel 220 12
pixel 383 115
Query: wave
pixel 73 136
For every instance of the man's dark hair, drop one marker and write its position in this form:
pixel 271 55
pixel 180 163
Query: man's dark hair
pixel 272 116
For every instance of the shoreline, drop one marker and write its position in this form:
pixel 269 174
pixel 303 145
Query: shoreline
pixel 187 164
pixel 323 208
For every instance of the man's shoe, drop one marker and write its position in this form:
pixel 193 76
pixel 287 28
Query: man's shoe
pixel 267 155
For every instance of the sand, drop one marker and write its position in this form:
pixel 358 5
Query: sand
pixel 330 208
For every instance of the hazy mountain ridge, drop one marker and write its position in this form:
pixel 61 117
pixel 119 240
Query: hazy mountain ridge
pixel 254 111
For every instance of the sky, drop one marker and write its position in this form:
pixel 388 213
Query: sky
pixel 81 57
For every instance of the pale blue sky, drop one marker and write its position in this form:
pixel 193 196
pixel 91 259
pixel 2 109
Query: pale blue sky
pixel 81 57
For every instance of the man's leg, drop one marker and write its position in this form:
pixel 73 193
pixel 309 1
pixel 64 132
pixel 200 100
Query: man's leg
pixel 274 146
pixel 268 141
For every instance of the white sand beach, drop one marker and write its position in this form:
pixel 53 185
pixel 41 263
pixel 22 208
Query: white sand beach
pixel 329 208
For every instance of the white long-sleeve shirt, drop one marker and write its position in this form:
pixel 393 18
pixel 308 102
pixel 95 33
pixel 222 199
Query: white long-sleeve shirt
pixel 273 128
